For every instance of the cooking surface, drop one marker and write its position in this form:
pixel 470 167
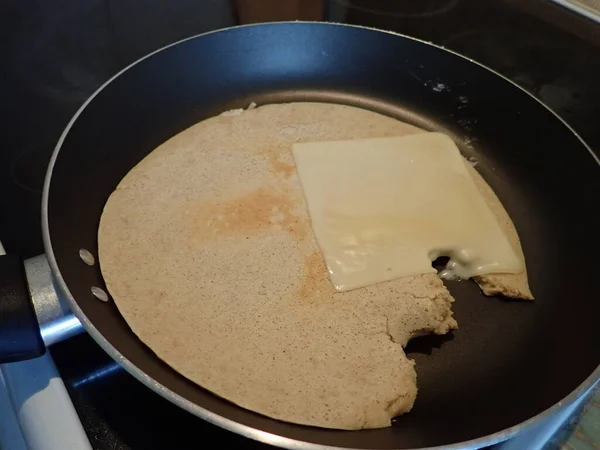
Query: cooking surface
pixel 57 53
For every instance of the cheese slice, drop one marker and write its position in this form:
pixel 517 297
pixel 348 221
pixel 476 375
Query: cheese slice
pixel 386 208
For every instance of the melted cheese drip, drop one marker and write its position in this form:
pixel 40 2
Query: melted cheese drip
pixel 386 208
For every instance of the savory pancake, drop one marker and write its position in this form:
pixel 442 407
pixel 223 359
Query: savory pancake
pixel 207 249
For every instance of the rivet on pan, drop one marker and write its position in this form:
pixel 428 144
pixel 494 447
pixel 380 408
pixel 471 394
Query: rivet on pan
pixel 100 294
pixel 86 257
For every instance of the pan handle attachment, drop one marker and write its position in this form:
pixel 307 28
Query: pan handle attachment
pixel 32 314
pixel 20 336
pixel 54 316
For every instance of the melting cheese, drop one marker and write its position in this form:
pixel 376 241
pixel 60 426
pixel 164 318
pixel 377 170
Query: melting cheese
pixel 386 208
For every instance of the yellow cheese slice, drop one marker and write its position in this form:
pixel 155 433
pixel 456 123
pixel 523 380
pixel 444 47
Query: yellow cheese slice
pixel 386 208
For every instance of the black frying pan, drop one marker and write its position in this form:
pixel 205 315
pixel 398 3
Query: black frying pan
pixel 508 362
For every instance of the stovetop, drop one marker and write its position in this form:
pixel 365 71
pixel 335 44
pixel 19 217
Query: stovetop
pixel 57 52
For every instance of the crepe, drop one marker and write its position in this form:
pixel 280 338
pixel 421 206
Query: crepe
pixel 505 284
pixel 206 248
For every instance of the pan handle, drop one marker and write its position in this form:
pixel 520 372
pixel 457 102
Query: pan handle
pixel 32 315
pixel 20 336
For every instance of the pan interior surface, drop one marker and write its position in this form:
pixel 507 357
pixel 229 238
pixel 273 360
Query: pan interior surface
pixel 509 360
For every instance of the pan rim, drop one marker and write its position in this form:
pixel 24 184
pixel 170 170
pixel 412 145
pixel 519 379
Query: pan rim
pixel 259 435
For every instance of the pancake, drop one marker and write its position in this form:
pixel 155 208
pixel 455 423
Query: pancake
pixel 509 285
pixel 207 249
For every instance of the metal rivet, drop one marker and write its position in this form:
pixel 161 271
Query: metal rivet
pixel 86 257
pixel 100 294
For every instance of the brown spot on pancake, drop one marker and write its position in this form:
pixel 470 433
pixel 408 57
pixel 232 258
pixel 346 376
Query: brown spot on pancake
pixel 266 208
pixel 283 168
pixel 277 157
pixel 315 282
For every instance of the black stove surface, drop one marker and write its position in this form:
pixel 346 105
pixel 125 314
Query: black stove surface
pixel 57 52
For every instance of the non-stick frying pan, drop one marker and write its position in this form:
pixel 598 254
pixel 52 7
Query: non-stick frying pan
pixel 509 364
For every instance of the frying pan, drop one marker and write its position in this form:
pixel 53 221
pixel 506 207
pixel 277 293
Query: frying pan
pixel 510 364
